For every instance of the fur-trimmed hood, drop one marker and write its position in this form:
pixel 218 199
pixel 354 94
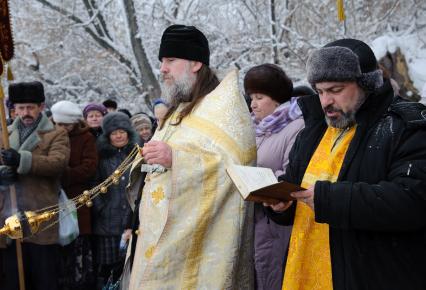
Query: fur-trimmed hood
pixel 106 149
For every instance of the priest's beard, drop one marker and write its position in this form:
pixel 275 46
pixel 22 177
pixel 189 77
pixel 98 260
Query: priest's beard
pixel 346 119
pixel 179 90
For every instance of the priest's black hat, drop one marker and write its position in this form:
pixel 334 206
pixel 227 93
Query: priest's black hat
pixel 30 92
pixel 185 42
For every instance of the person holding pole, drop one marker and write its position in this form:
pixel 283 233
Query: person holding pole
pixel 38 154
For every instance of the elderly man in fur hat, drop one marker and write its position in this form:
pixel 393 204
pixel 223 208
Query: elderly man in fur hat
pixel 38 155
pixel 195 230
pixel 361 222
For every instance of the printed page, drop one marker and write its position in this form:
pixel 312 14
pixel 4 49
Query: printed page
pixel 254 177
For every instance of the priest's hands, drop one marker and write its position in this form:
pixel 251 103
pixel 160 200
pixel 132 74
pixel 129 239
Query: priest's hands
pixel 306 196
pixel 158 152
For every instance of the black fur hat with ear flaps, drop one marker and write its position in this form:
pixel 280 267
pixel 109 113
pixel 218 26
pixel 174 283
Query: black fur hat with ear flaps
pixel 345 60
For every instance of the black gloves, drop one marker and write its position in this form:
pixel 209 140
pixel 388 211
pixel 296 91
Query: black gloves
pixel 11 157
pixel 7 175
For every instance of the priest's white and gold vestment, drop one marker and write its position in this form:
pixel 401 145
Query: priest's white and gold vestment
pixel 195 230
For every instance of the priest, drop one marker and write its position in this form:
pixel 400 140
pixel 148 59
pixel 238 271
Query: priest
pixel 195 230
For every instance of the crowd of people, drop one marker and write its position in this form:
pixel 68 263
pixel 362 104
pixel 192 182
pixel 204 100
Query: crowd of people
pixel 79 148
pixel 176 220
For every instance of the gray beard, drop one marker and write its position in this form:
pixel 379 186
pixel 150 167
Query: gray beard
pixel 347 119
pixel 179 91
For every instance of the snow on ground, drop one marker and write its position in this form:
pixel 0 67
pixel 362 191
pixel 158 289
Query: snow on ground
pixel 414 51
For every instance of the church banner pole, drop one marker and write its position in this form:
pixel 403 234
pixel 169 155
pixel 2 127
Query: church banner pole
pixel 6 54
pixel 13 202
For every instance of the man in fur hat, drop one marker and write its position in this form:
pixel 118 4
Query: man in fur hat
pixel 195 229
pixel 362 157
pixel 38 155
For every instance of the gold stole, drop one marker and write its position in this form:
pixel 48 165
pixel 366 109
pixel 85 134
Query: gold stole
pixel 308 263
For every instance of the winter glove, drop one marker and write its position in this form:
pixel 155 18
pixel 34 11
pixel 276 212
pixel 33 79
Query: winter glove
pixel 7 175
pixel 11 157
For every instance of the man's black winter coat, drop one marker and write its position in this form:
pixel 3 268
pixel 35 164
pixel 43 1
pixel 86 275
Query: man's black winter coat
pixel 377 209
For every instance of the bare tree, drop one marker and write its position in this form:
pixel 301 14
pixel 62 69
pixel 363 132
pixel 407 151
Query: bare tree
pixel 145 70
pixel 91 49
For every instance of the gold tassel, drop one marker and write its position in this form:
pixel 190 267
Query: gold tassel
pixel 9 73
pixel 341 10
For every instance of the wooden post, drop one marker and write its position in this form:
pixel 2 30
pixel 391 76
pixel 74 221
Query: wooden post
pixel 13 201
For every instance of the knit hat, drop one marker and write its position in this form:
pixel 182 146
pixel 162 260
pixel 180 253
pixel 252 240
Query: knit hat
pixel 114 121
pixel 31 92
pixel 138 120
pixel 159 102
pixel 345 60
pixel 66 112
pixel 94 107
pixel 268 79
pixel 186 42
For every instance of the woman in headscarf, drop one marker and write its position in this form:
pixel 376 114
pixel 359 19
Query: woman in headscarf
pixel 94 114
pixel 111 210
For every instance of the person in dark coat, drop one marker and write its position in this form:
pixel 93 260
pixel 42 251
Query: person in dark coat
pixel 77 258
pixel 374 211
pixel 111 210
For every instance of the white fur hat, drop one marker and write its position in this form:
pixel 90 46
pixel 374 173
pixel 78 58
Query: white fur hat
pixel 66 112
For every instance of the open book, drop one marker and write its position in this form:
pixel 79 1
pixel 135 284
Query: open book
pixel 259 184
